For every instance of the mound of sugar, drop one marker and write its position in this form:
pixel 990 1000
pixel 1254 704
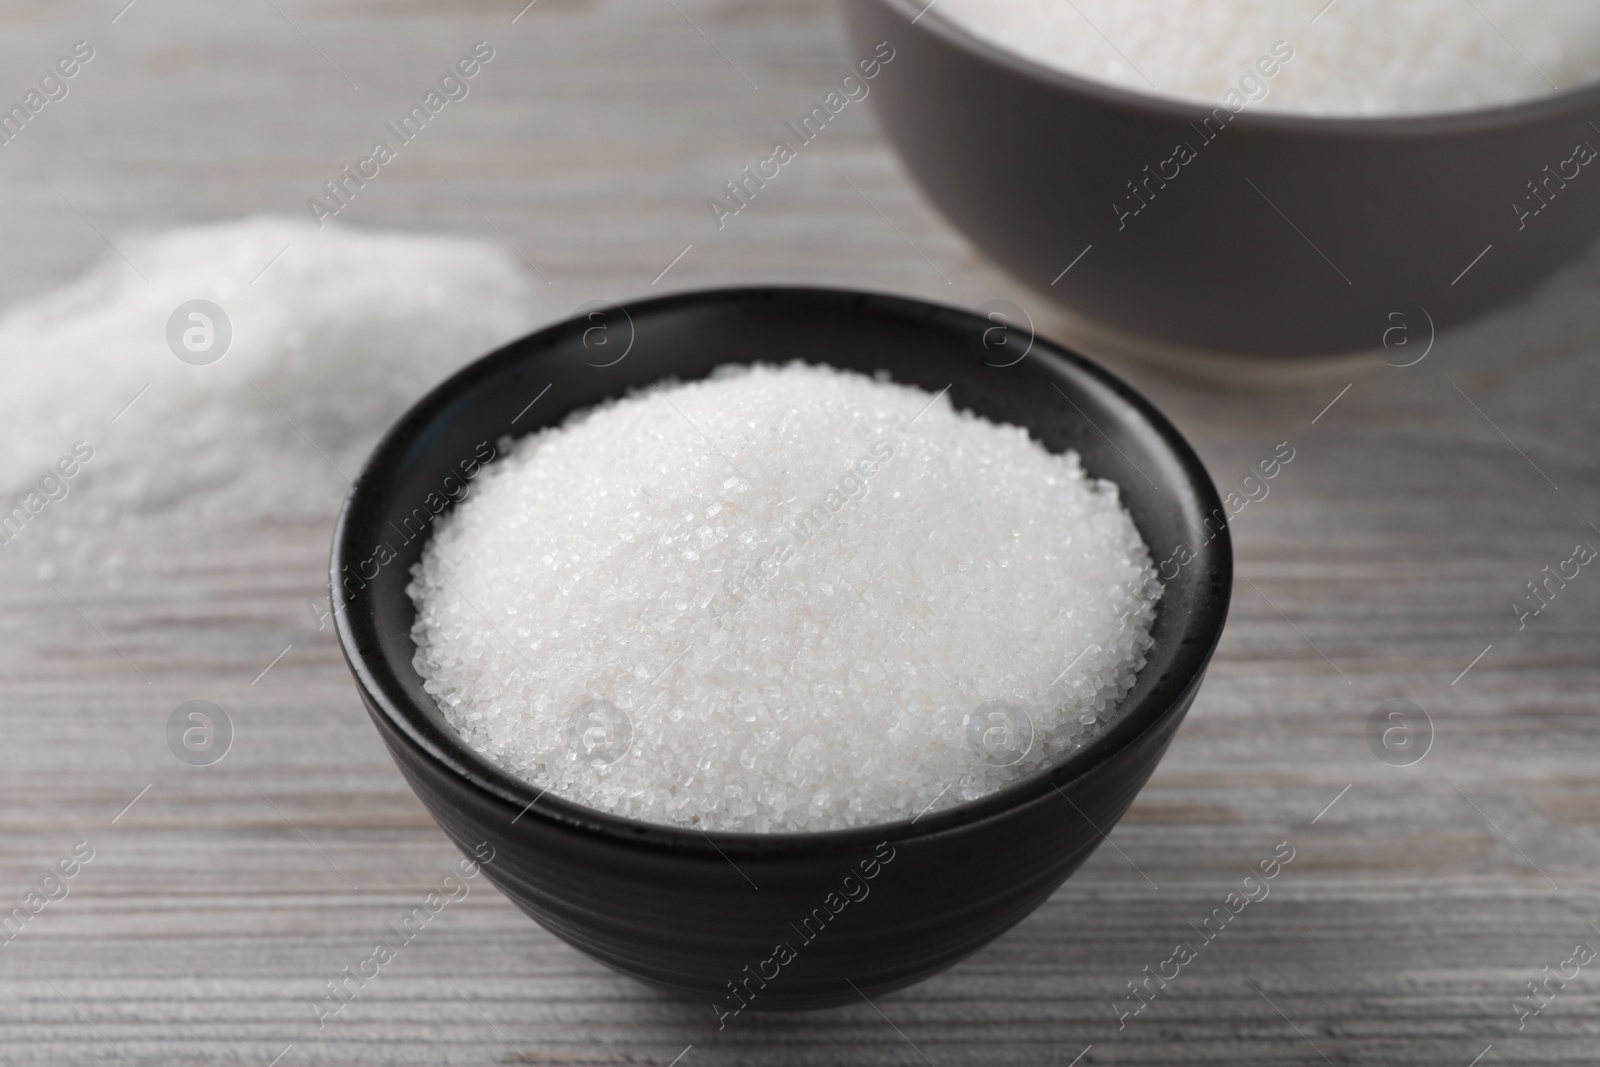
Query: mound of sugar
pixel 334 332
pixel 1350 57
pixel 781 600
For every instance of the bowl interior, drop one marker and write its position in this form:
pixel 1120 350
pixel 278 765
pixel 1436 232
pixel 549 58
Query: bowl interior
pixel 1007 376
pixel 1400 123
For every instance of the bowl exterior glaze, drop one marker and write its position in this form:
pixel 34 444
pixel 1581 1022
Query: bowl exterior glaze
pixel 689 923
pixel 702 914
pixel 1282 235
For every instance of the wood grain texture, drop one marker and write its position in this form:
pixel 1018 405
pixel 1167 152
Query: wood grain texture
pixel 1381 564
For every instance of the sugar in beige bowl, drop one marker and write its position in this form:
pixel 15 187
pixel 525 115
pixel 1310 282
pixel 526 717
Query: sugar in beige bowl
pixel 1284 235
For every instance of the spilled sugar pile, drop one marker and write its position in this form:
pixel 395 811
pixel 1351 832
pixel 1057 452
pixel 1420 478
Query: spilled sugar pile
pixel 334 332
pixel 900 599
pixel 1359 57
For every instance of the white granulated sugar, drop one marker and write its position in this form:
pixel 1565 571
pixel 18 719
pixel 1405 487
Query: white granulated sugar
pixel 1359 57
pixel 331 340
pixel 781 600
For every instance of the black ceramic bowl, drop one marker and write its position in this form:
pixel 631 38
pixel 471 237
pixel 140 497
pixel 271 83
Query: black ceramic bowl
pixel 1285 235
pixel 689 911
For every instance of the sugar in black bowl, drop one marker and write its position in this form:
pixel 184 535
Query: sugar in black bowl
pixel 781 920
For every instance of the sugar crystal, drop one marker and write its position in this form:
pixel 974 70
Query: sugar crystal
pixel 781 599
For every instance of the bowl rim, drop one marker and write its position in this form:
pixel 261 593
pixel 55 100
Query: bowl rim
pixel 1198 633
pixel 917 14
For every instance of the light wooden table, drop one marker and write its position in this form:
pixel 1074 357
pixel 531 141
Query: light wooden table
pixel 1381 566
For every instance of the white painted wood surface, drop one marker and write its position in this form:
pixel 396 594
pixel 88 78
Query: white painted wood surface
pixel 1380 566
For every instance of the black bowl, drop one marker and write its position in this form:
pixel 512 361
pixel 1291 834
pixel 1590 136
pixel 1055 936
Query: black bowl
pixel 1285 235
pixel 689 911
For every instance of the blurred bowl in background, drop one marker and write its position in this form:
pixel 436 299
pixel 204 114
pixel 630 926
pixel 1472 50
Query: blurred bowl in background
pixel 1274 235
